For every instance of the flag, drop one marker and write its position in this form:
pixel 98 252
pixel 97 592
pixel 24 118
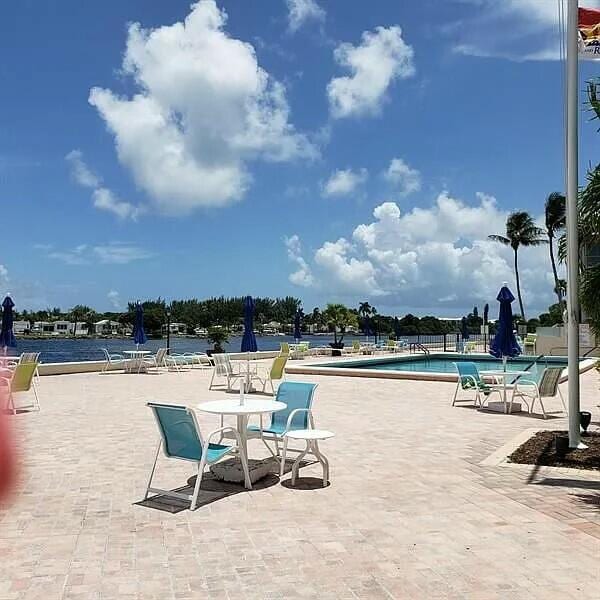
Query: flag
pixel 589 33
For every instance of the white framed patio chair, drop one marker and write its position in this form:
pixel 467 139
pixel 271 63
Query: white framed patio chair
pixel 298 398
pixel 469 380
pixel 31 357
pixel 201 359
pixel 155 361
pixel 224 369
pixel 112 359
pixel 548 387
pixel 20 379
pixel 180 438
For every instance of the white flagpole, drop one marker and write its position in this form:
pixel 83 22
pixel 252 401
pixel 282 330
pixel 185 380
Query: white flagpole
pixel 572 84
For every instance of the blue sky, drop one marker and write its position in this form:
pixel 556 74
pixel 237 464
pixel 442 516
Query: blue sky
pixel 333 151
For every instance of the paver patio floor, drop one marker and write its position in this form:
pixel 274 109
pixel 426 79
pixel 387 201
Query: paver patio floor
pixel 410 512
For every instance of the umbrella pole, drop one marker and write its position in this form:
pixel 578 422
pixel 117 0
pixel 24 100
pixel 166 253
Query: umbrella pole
pixel 504 386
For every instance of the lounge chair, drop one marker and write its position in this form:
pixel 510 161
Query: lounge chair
pixel 180 438
pixel 470 380
pixel 301 350
pixel 198 358
pixel 297 415
pixel 20 379
pixel 112 359
pixel 275 373
pixel 224 368
pixel 548 387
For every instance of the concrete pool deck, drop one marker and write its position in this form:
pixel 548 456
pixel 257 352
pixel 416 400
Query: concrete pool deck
pixel 413 509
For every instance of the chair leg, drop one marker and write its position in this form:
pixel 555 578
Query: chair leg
pixel 197 486
pixel 153 469
pixel 211 380
pixel 543 409
pixel 37 399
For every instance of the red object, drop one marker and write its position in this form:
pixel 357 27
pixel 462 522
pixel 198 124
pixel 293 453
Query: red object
pixel 8 459
pixel 588 17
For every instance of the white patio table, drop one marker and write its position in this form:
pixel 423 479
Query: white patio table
pixel 504 375
pixel 135 360
pixel 250 406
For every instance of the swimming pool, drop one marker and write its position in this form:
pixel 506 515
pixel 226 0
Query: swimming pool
pixel 438 366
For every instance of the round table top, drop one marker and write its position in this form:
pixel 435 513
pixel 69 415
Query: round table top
pixel 309 434
pixel 251 406
pixel 501 373
pixel 137 352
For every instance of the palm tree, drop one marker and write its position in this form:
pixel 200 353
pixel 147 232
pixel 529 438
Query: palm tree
pixel 555 222
pixel 364 310
pixel 521 230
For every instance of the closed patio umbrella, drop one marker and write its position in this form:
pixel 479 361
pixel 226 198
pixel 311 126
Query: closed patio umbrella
pixel 504 345
pixel 7 336
pixel 249 339
pixel 397 328
pixel 297 325
pixel 464 329
pixel 139 335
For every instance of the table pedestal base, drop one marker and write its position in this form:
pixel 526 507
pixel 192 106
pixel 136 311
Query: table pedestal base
pixel 498 406
pixel 231 470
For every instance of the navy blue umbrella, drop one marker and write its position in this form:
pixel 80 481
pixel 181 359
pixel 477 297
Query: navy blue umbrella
pixel 139 335
pixel 504 345
pixel 367 326
pixel 297 325
pixel 249 339
pixel 7 336
pixel 464 330
pixel 397 329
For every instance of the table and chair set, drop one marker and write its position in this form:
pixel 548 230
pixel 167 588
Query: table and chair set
pixel 286 417
pixel 510 386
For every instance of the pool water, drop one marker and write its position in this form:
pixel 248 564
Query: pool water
pixel 445 364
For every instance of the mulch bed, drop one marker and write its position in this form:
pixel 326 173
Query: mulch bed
pixel 539 450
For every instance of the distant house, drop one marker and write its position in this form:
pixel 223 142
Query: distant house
pixel 271 328
pixel 43 327
pixel 82 328
pixel 107 327
pixel 62 328
pixel 178 328
pixel 20 327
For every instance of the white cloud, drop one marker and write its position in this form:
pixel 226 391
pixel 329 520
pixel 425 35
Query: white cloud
pixel 404 179
pixel 103 198
pixel 120 253
pixel 513 29
pixel 4 280
pixel 344 182
pixel 301 11
pixel 203 108
pixel 382 57
pixel 115 299
pixel 111 253
pixel 302 276
pixel 437 258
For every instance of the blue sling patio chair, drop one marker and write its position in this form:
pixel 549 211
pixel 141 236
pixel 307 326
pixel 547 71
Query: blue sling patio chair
pixel 180 438
pixel 298 398
pixel 470 380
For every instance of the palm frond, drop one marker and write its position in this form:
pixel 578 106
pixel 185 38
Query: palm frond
pixel 500 238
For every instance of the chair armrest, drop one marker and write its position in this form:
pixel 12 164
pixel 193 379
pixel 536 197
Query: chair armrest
pixel 527 383
pixel 294 413
pixel 116 356
pixel 221 430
